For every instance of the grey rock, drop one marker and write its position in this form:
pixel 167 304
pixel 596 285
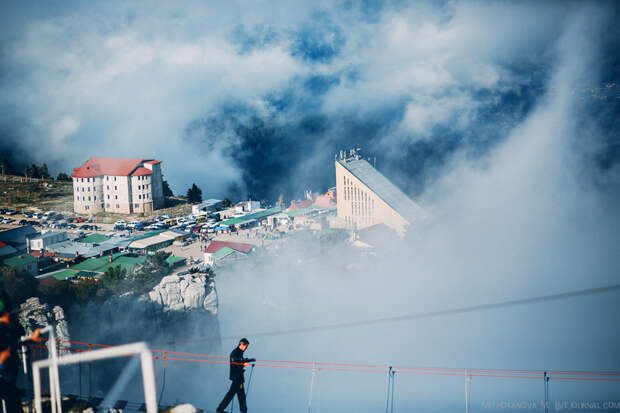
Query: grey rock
pixel 185 292
pixel 34 314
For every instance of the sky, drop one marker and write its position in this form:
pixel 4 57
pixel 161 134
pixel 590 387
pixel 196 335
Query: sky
pixel 254 99
pixel 500 118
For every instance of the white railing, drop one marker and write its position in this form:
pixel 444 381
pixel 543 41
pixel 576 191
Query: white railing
pixel 146 359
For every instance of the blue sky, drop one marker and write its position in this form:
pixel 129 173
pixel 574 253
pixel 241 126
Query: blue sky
pixel 255 98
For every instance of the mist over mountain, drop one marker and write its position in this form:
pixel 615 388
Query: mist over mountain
pixel 254 102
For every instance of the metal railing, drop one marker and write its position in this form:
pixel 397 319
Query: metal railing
pixel 52 363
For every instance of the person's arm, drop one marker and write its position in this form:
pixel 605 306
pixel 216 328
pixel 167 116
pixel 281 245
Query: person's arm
pixel 246 362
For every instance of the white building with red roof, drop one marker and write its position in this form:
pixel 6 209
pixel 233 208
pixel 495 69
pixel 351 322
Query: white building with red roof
pixel 122 185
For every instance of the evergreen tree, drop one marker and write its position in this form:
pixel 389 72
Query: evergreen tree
pixel 167 190
pixel 43 172
pixel 194 194
pixel 226 203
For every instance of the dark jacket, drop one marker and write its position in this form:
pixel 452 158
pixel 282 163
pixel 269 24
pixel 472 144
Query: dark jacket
pixel 237 370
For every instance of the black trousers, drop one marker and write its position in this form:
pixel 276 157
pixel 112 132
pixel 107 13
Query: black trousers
pixel 10 395
pixel 236 387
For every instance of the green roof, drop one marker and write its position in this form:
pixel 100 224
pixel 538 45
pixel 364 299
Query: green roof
pixel 124 259
pixel 65 275
pixel 171 260
pixel 126 263
pixel 146 235
pixel 308 209
pixel 249 217
pixel 19 260
pixel 93 264
pixel 93 238
pixel 223 252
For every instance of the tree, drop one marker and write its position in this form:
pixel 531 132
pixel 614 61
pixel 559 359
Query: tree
pixel 149 274
pixel 63 177
pixel 226 203
pixel 17 284
pixel 113 277
pixel 194 194
pixel 86 290
pixel 43 172
pixel 167 190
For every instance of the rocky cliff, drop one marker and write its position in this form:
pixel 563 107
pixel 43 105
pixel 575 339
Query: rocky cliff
pixel 185 291
pixel 34 314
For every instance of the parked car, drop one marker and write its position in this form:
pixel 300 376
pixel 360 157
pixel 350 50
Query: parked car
pixel 78 219
pixel 37 215
pixel 27 214
pixel 23 222
pixel 2 210
pixel 10 212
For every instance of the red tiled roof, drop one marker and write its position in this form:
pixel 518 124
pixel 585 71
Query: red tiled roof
pixel 152 162
pixel 141 171
pixel 300 204
pixel 215 246
pixel 109 166
pixel 324 201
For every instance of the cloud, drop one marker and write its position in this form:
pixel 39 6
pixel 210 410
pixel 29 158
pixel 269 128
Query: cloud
pixel 137 77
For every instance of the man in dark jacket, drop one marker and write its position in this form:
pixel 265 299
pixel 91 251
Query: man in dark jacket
pixel 237 362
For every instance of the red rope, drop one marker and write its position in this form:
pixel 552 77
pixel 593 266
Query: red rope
pixel 369 368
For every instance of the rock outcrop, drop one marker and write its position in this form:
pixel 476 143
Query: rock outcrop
pixel 185 291
pixel 34 314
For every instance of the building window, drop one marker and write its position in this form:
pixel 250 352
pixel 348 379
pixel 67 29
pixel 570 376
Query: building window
pixel 107 178
pixel 139 196
pixel 137 206
pixel 107 187
pixel 83 198
pixel 88 198
pixel 117 206
pixel 107 205
pixel 115 178
pixel 115 196
pixel 86 207
pixel 108 196
pixel 95 197
pixel 89 189
pixel 115 187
